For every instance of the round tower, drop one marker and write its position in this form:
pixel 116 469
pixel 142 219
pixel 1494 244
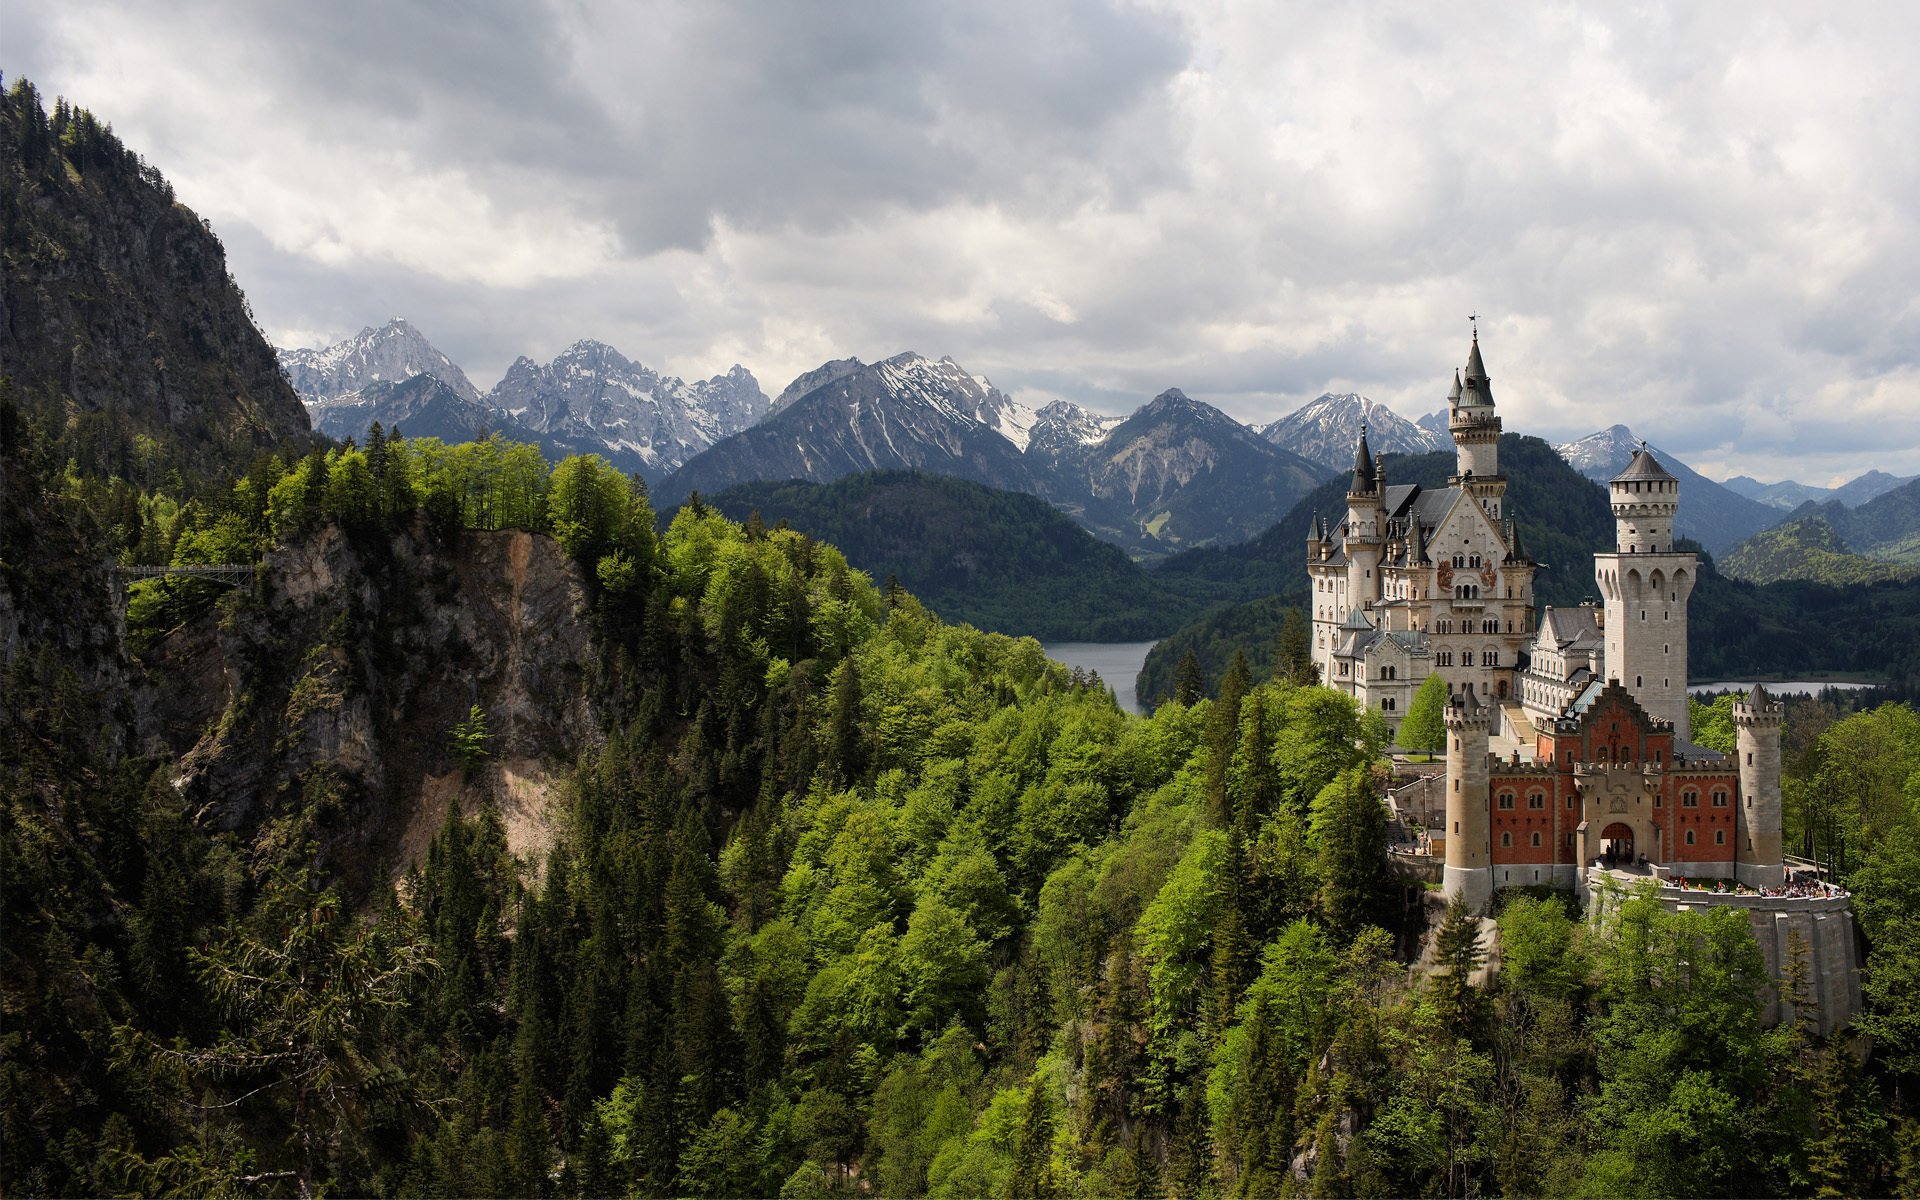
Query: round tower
pixel 1758 854
pixel 1366 528
pixel 1645 584
pixel 1469 871
pixel 1473 422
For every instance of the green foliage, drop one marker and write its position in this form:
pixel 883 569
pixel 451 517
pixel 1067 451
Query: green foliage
pixel 1425 728
pixel 843 898
pixel 470 738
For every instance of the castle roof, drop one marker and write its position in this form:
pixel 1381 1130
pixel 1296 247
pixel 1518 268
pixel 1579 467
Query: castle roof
pixel 1643 466
pixel 1362 465
pixel 1758 696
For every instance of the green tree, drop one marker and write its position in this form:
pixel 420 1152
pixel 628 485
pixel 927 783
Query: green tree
pixel 1425 728
pixel 1189 684
pixel 1293 651
pixel 470 738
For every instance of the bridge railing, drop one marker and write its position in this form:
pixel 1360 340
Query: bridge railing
pixel 232 574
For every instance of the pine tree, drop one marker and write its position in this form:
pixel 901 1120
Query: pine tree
pixel 1293 650
pixel 1189 682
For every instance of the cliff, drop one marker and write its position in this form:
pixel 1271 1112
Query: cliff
pixel 119 324
pixel 319 705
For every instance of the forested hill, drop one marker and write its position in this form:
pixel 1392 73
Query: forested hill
pixel 1003 561
pixel 822 895
pixel 123 332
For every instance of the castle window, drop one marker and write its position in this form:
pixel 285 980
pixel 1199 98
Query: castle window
pixel 1506 800
pixel 1636 681
pixel 1536 839
pixel 1689 837
pixel 1719 837
pixel 1749 758
pixel 1719 799
pixel 1569 839
pixel 1689 799
pixel 1506 840
pixel 1536 800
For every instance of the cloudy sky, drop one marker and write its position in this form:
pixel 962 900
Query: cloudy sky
pixel 1697 219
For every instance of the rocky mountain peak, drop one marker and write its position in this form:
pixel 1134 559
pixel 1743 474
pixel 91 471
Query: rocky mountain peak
pixel 1325 429
pixel 391 353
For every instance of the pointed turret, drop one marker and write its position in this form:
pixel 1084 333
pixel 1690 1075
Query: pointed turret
pixel 1362 466
pixel 1453 397
pixel 1416 544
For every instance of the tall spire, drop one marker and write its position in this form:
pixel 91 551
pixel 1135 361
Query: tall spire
pixel 1362 465
pixel 1453 397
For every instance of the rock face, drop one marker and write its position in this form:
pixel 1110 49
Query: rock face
pixel 118 310
pixel 321 706
pixel 391 354
pixel 590 394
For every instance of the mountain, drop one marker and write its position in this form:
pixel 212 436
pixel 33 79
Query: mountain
pixel 998 560
pixel 906 412
pixel 1886 527
pixel 1177 473
pixel 1436 424
pixel 1786 495
pixel 1715 516
pixel 1325 431
pixel 1789 495
pixel 591 394
pixel 819 377
pixel 391 354
pixel 1870 486
pixel 1805 548
pixel 119 324
pixel 418 406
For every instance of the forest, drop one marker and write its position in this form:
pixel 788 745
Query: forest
pixel 851 901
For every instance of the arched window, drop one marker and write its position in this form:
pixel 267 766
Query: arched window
pixel 1506 800
pixel 1536 800
pixel 1689 837
pixel 1689 799
pixel 1719 799
pixel 1536 839
pixel 1719 837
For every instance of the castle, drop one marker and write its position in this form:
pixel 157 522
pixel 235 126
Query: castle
pixel 1567 739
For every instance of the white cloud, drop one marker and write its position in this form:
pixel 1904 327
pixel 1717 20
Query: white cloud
pixel 1696 219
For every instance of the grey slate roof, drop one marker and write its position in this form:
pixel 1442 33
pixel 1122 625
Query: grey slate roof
pixel 1643 466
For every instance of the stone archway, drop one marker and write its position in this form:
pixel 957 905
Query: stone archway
pixel 1617 838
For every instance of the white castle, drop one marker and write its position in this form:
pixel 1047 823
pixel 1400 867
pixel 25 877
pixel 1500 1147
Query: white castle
pixel 1424 581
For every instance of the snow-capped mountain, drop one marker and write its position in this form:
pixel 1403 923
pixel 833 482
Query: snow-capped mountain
pixel 1326 429
pixel 1176 473
pixel 1714 515
pixel 393 353
pixel 648 422
pixel 1435 423
pixel 903 412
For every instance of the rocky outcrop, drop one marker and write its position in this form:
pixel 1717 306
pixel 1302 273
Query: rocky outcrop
pixel 320 706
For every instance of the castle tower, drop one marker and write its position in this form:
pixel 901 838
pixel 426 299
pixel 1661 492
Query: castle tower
pixel 1758 857
pixel 1645 584
pixel 1366 528
pixel 1469 871
pixel 1476 435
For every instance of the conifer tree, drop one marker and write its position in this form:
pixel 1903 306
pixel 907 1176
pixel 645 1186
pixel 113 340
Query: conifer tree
pixel 1425 727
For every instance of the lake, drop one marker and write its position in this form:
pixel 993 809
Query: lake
pixel 1118 663
pixel 1789 687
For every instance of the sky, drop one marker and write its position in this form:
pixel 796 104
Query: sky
pixel 1700 220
